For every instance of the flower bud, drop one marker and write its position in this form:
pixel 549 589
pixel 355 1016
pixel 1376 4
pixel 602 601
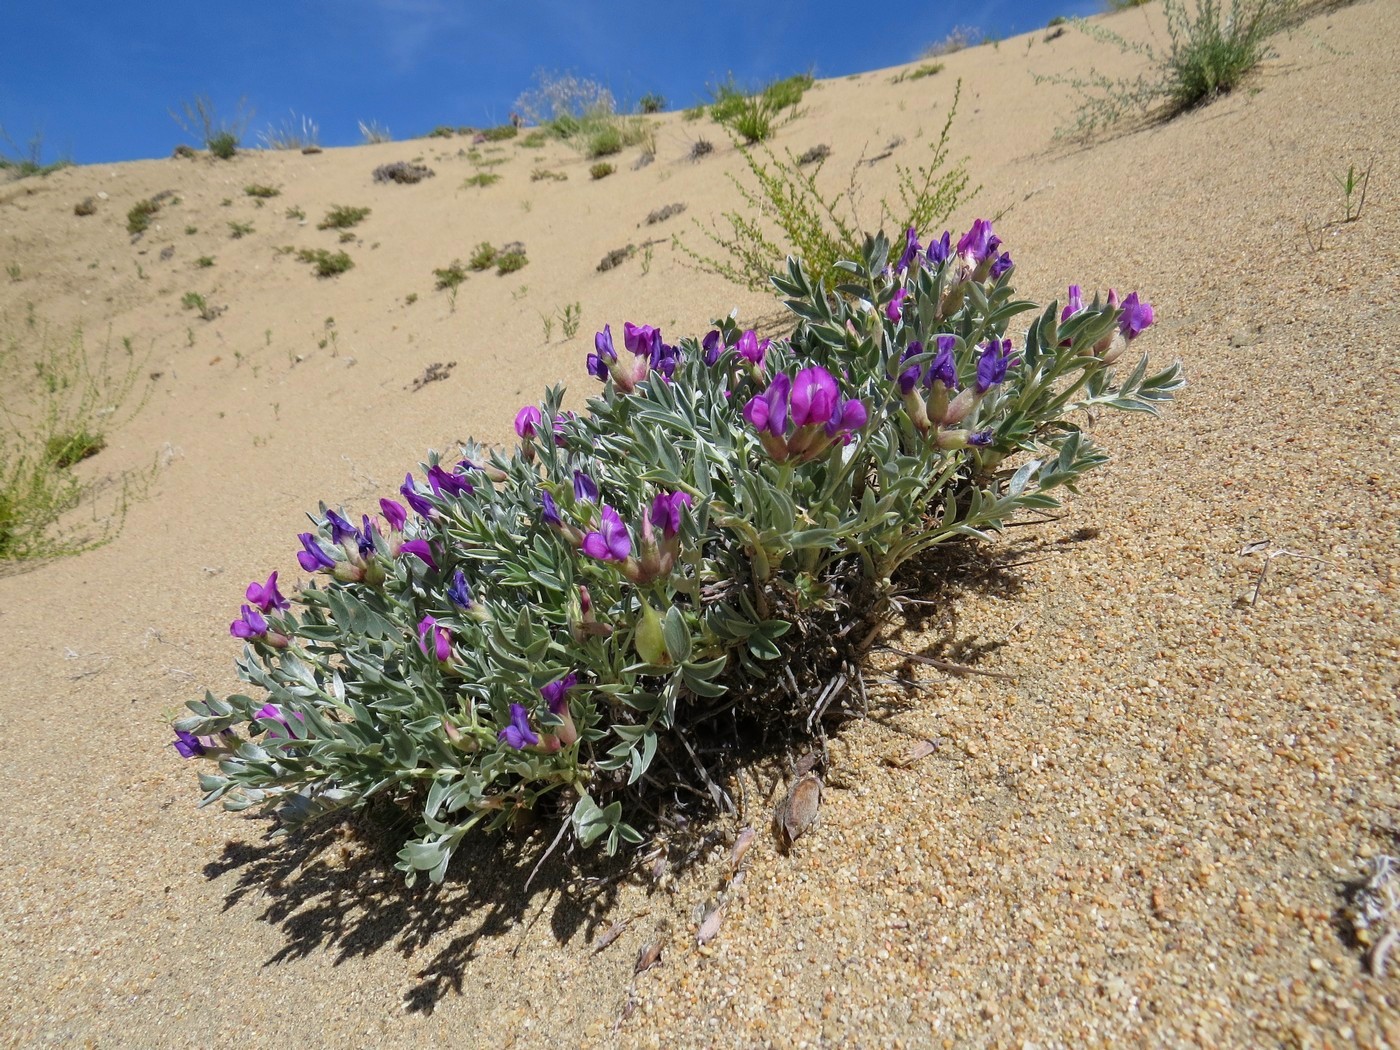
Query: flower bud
pixel 650 641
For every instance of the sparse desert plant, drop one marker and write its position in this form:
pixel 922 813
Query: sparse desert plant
pixel 403 172
pixel 1210 48
pixel 204 262
pixel 500 133
pixel 442 131
pixel 534 139
pixel 86 206
pixel 651 102
pixel 570 318
pixel 410 298
pixel 261 192
pixel 959 38
pixel 292 133
pixel 238 230
pixel 786 202
pixel 544 174
pixel 374 132
pixel 199 119
pixel 558 97
pixel 601 170
pixel 752 116
pixel 342 217
pixel 511 259
pixel 12 271
pixel 22 162
pixel 701 148
pixel 295 212
pixel 138 219
pixel 58 404
pixel 481 179
pixel 1353 187
pixel 559 628
pixel 451 275
pixel 325 263
pixel 927 69
pixel 195 301
pixel 695 112
pixel 190 231
pixel 484 257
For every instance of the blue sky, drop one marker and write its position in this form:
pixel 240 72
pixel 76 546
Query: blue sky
pixel 97 79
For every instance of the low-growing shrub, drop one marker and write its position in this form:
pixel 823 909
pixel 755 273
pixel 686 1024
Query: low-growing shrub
pixel 442 131
pixel 651 102
pixel 403 172
pixel 1209 50
pixel 549 628
pixel 543 174
pixel 138 219
pixel 484 257
pixel 481 179
pixel 59 402
pixel 326 264
pixel 261 192
pixel 601 170
pixel 959 38
pixel 221 137
pixel 342 217
pixel 753 116
pixel 534 139
pixel 450 276
pixel 786 204
pixel 224 145
pixel 500 133
pixel 511 258
pixel 238 230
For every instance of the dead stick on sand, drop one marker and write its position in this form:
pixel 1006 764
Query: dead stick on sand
pixel 946 665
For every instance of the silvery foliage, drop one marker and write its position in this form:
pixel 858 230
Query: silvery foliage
pixel 369 713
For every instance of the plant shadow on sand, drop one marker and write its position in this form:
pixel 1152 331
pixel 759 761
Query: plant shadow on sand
pixel 332 886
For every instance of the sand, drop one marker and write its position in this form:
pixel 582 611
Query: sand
pixel 1143 837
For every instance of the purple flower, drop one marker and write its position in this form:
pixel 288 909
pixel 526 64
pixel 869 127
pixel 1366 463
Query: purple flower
pixel 420 549
pixel 640 339
pixel 266 596
pixel 939 250
pixel 892 308
pixel 1073 305
pixel 750 349
pixel 1135 318
pixel 518 734
pixel 459 592
pixel 712 346
pixel 992 365
pixel 911 250
pixel 313 557
pixel 366 536
pixel 814 396
pixel 664 357
pixel 585 488
pixel 442 643
pixel 272 713
pixel 527 421
pixel 555 693
pixel 419 503
pixel 980 438
pixel 1002 264
pixel 603 355
pixel 978 243
pixel 768 411
pixel 341 530
pixel 666 512
pixel 453 484
pixel 909 378
pixel 187 744
pixel 549 510
pixel 250 624
pixel 944 369
pixel 394 513
pixel 848 416
pixel 611 542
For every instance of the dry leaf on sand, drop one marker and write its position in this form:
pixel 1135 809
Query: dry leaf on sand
pixel 798 811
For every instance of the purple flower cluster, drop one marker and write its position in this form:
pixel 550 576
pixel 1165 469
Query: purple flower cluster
pixel 798 418
pixel 649 354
